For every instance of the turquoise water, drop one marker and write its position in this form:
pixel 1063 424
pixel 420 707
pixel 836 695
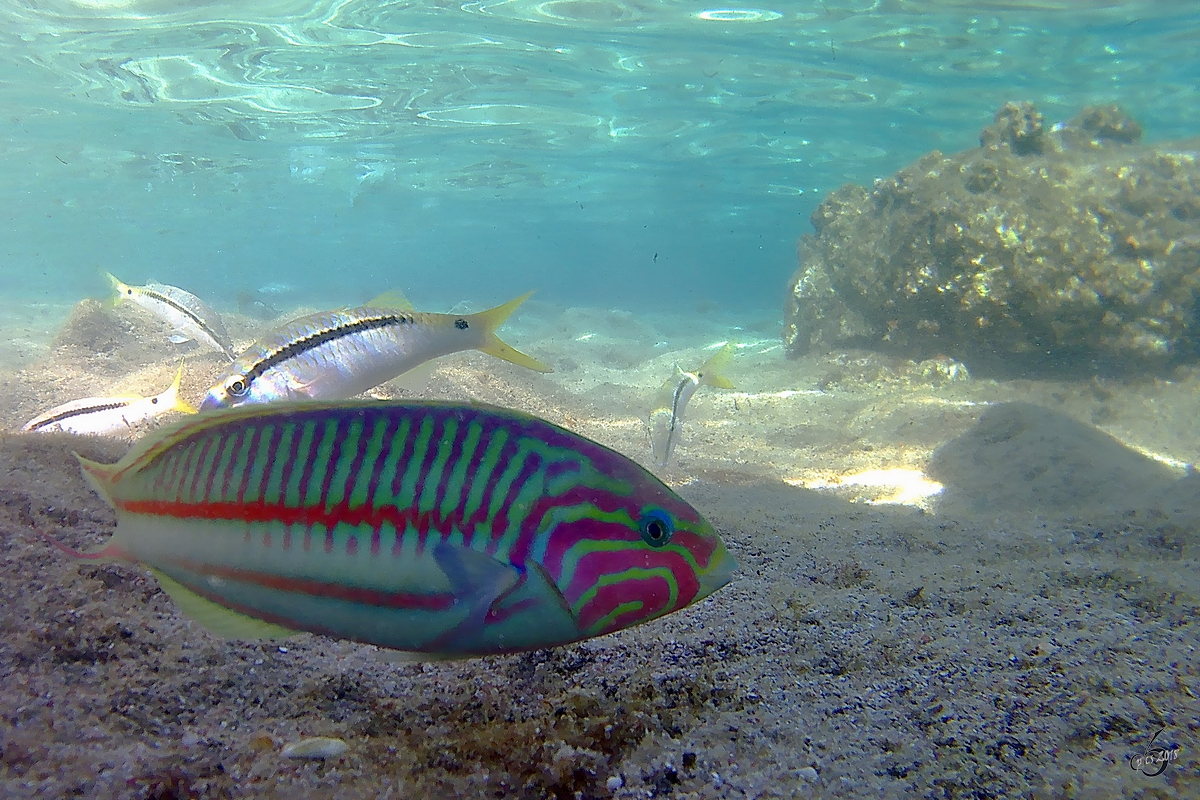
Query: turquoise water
pixel 645 155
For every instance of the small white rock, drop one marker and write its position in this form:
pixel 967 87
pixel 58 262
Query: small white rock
pixel 809 774
pixel 317 747
pixel 614 783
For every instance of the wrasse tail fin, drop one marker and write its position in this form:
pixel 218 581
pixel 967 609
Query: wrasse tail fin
pixel 110 552
pixel 493 345
pixel 712 373
pixel 217 618
pixel 98 475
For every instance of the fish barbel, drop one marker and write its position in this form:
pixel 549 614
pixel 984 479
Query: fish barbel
pixel 187 314
pixel 440 528
pixel 338 354
pixel 666 418
pixel 108 415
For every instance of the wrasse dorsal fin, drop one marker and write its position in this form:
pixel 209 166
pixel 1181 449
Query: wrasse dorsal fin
pixel 216 618
pixel 492 344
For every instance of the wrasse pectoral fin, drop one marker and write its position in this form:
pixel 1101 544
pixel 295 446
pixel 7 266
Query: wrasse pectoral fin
pixel 216 618
pixel 477 581
pixel 493 345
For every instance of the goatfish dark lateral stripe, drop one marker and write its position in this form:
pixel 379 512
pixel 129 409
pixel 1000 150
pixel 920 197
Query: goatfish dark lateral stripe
pixel 301 346
pixel 196 319
pixel 339 354
pixel 436 527
pixel 109 415
pixel 52 418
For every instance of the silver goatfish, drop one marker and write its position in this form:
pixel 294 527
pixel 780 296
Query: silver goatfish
pixel 109 415
pixel 187 314
pixel 338 354
pixel 666 418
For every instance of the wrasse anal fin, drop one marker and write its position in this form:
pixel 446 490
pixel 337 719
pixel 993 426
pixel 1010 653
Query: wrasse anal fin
pixel 217 618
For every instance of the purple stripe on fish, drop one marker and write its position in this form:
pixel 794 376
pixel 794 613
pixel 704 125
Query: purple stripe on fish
pixel 389 435
pixel 251 446
pixel 455 453
pixel 337 442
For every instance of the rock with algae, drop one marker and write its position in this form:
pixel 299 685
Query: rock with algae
pixel 1068 245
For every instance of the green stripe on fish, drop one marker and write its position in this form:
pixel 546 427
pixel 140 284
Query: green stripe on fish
pixel 441 528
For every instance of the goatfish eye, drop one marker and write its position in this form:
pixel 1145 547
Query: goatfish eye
pixel 237 386
pixel 657 527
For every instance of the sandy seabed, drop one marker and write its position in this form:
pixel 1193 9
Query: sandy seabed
pixel 1023 632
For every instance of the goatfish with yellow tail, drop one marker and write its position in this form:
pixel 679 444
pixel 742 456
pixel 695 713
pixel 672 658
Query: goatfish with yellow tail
pixel 188 315
pixel 666 418
pixel 109 415
pixel 338 354
pixel 441 528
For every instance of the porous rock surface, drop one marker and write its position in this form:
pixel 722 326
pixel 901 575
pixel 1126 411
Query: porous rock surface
pixel 1047 245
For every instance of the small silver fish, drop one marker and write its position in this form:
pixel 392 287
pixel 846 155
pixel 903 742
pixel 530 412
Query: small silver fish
pixel 109 415
pixel 334 355
pixel 187 314
pixel 666 418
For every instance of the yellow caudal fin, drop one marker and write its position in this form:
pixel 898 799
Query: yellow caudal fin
pixel 712 373
pixel 177 402
pixel 217 618
pixel 118 288
pixel 493 345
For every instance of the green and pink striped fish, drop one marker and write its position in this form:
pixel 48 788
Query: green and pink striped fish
pixel 441 528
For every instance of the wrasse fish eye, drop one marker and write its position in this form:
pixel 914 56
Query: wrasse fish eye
pixel 657 527
pixel 237 386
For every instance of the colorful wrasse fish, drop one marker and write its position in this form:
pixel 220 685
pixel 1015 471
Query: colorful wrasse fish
pixel 187 314
pixel 338 354
pixel 107 415
pixel 666 418
pixel 435 527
